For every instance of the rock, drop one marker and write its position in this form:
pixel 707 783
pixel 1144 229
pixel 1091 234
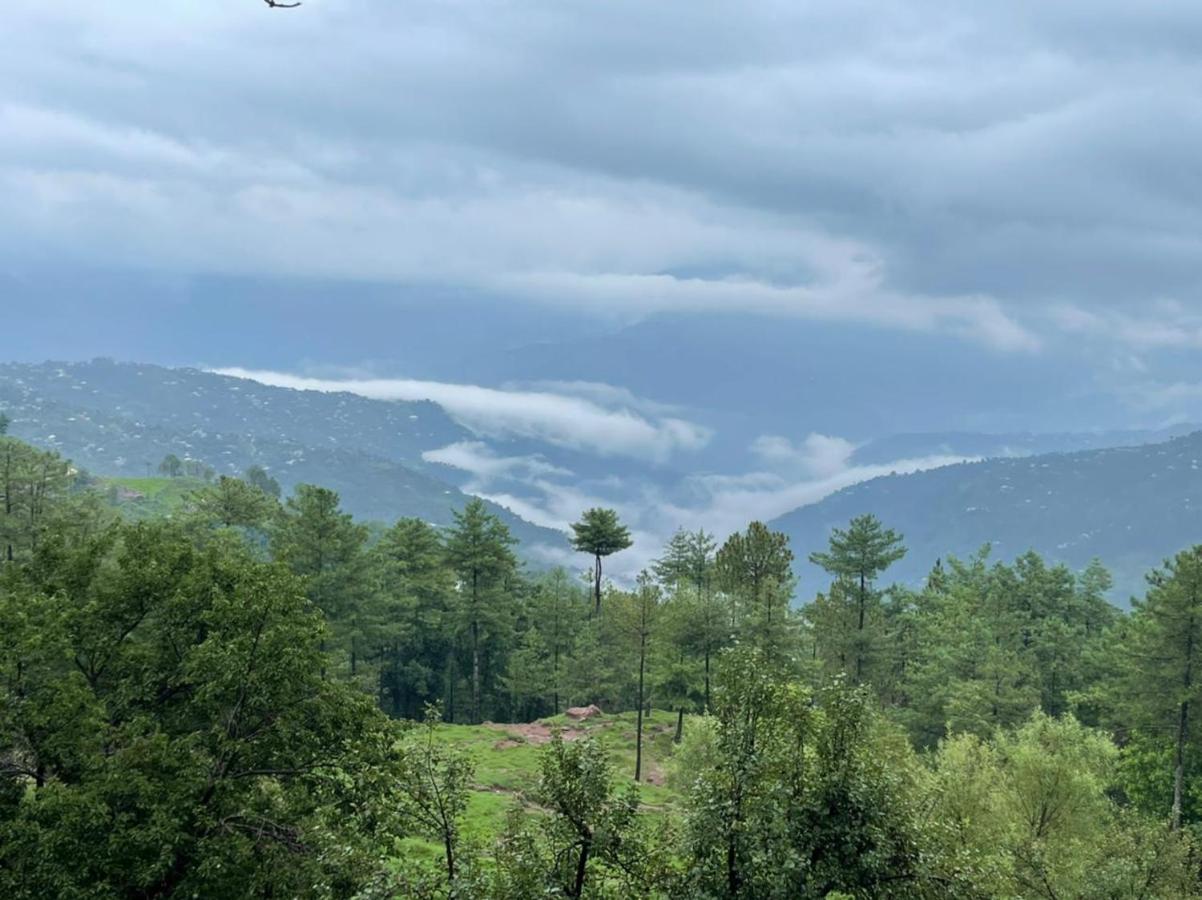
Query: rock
pixel 583 712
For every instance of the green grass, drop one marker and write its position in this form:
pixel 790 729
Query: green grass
pixel 507 763
pixel 159 497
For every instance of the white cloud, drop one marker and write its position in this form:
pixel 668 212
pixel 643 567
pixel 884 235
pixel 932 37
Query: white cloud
pixel 725 505
pixel 819 455
pixel 483 462
pixel 1164 324
pixel 564 421
pixel 722 504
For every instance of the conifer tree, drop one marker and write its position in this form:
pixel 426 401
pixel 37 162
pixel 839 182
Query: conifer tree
pixel 856 558
pixel 1163 651
pixel 754 568
pixel 600 534
pixel 478 549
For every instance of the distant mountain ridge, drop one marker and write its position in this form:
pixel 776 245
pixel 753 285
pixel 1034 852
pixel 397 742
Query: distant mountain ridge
pixel 123 418
pixel 1129 506
pixel 986 446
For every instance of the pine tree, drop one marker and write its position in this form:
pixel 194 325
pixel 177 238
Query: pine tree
pixel 600 534
pixel 325 546
pixel 755 569
pixel 856 558
pixel 1163 675
pixel 478 548
pixel 687 570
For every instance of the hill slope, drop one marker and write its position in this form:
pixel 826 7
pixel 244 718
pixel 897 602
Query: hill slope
pixel 1130 506
pixel 121 419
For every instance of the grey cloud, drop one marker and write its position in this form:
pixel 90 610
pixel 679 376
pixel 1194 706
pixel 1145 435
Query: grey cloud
pixel 939 166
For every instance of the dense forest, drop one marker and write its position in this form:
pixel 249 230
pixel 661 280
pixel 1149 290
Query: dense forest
pixel 251 697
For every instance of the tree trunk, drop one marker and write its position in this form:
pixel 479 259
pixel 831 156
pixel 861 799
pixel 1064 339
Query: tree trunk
pixel 476 672
pixel 1182 729
pixel 597 587
pixel 586 843
pixel 707 678
pixel 638 740
pixel 860 632
pixel 1179 765
pixel 555 673
pixel 449 845
pixel 679 724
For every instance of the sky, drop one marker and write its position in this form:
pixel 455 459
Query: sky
pixel 941 215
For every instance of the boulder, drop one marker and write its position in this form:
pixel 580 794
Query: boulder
pixel 583 712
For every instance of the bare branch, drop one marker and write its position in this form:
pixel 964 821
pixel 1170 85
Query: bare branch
pixel 276 5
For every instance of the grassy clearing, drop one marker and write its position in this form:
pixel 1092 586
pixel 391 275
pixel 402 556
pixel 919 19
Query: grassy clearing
pixel 138 499
pixel 506 759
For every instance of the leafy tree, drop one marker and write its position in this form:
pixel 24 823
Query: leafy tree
pixel 231 503
pixel 257 476
pixel 1027 812
pixel 5 421
pixel 595 670
pixel 434 787
pixel 806 795
pixel 600 534
pixel 478 549
pixel 589 822
pixel 856 557
pixel 34 488
pixel 171 466
pixel 194 468
pixel 165 731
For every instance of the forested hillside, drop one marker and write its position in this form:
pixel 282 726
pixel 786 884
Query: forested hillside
pixel 1130 506
pixel 261 697
pixel 124 419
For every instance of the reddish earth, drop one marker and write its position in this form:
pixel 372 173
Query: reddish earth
pixel 531 733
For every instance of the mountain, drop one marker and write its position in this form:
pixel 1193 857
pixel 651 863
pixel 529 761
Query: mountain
pixel 882 451
pixel 121 419
pixel 1129 506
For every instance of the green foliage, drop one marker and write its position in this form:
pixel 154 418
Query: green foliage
pixel 192 708
pixel 588 831
pixel 850 621
pixel 171 466
pixel 163 714
pixel 1161 681
pixel 754 568
pixel 433 789
pixel 257 476
pixel 599 533
pixel 34 488
pixel 1028 813
pixel 806 795
pixel 478 549
pixel 231 503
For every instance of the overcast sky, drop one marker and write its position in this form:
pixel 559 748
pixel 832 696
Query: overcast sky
pixel 1007 173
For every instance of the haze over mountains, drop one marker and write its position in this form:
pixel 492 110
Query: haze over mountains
pixel 543 453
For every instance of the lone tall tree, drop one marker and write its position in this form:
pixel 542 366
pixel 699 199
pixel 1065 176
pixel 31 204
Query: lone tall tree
pixel 855 559
pixel 601 534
